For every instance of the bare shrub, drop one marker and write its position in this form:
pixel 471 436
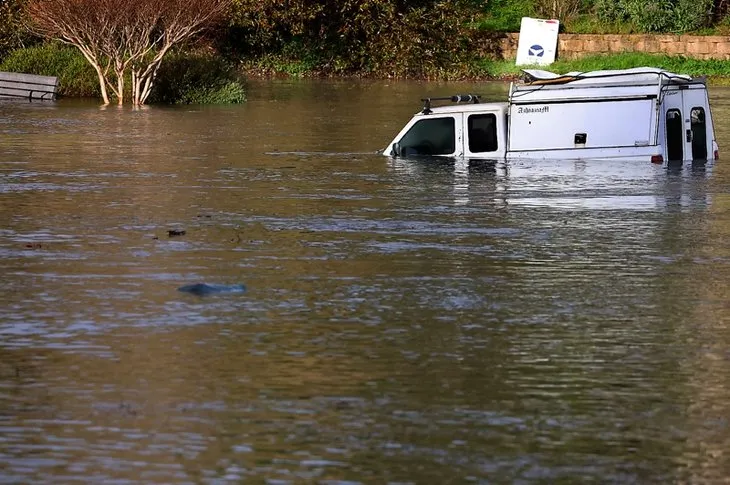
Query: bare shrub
pixel 557 9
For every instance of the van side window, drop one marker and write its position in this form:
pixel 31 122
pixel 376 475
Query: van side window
pixel 431 136
pixel 699 133
pixel 482 133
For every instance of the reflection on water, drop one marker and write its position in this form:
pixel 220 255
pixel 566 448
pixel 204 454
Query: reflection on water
pixel 413 321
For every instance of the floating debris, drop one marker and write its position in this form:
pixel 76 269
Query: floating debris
pixel 175 232
pixel 203 289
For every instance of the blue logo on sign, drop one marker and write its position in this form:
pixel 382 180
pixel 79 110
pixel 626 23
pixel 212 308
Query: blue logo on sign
pixel 536 50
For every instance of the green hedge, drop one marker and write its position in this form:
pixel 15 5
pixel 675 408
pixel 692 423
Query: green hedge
pixel 506 15
pixel 190 78
pixel 75 75
pixel 386 38
pixel 657 15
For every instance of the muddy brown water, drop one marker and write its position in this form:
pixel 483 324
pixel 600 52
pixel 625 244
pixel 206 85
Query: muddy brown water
pixel 404 321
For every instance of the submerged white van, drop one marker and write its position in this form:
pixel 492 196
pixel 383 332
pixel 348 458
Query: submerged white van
pixel 642 114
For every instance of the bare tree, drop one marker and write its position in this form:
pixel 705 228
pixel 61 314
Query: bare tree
pixel 123 37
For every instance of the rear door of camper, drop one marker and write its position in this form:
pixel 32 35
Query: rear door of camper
pixel 688 130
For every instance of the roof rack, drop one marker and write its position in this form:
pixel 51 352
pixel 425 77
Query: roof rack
pixel 639 75
pixel 457 98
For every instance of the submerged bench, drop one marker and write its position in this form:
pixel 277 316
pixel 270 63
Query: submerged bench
pixel 27 86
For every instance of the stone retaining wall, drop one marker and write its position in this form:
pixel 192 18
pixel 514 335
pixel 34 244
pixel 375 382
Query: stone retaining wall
pixel 572 46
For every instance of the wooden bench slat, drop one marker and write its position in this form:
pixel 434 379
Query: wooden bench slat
pixel 28 86
pixel 28 78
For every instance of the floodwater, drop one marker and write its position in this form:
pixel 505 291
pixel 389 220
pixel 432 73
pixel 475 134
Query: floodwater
pixel 403 321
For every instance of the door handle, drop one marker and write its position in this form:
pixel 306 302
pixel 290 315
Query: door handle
pixel 689 136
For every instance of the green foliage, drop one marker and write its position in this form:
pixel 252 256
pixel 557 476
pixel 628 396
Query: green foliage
pixel 683 65
pixel 289 65
pixel 691 14
pixel 189 78
pixel 506 15
pixel 610 10
pixel 75 75
pixel 657 15
pixel 419 38
pixel 591 24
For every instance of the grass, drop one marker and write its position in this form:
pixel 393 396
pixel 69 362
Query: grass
pixel 272 64
pixel 716 70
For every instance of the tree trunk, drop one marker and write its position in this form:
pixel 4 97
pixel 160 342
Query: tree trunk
pixel 102 85
pixel 119 68
pixel 146 78
pixel 99 72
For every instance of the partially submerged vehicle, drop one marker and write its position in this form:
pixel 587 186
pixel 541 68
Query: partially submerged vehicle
pixel 643 114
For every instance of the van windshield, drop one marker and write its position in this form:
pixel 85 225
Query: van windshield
pixel 431 136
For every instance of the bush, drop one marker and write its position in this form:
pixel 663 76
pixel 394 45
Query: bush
pixel 657 15
pixel 75 75
pixel 419 38
pixel 691 14
pixel 188 78
pixel 506 15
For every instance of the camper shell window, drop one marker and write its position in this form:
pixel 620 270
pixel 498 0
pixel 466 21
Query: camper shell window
pixel 699 133
pixel 431 136
pixel 482 133
pixel 675 135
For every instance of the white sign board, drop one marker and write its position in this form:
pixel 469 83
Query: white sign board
pixel 538 41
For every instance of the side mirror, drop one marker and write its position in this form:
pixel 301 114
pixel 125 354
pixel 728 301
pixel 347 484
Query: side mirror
pixel 395 150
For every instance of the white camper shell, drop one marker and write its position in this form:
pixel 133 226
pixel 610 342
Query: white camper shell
pixel 642 114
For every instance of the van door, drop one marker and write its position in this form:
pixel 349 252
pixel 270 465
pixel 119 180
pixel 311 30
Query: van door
pixel 697 126
pixel 672 118
pixel 430 135
pixel 687 124
pixel 481 135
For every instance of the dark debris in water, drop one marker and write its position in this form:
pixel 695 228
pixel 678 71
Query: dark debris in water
pixel 175 232
pixel 204 289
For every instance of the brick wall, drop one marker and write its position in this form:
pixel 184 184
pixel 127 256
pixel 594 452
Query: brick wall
pixel 572 46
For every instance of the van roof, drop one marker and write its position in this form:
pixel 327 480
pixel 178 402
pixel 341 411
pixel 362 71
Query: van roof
pixel 467 108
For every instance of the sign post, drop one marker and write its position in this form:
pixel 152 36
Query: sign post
pixel 538 41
